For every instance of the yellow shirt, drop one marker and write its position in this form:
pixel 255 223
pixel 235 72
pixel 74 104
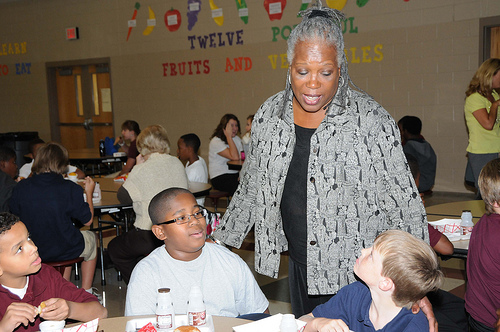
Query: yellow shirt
pixel 480 139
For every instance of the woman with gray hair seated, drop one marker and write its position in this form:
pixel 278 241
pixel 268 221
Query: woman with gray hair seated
pixel 154 171
pixel 325 173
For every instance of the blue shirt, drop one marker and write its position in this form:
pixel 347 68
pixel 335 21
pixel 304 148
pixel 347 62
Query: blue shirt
pixel 352 305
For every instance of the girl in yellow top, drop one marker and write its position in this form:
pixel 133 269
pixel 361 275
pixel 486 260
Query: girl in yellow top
pixel 481 106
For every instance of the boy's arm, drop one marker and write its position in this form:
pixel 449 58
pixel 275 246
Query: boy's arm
pixel 59 309
pixel 17 313
pixel 323 324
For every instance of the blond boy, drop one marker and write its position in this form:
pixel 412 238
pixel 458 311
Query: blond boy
pixel 397 272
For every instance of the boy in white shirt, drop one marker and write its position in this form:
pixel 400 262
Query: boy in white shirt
pixel 196 168
pixel 229 287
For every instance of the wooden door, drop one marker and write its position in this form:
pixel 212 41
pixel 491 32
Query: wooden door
pixel 84 106
pixel 495 42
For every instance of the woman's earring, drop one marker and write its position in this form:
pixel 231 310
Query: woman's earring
pixel 341 81
pixel 289 80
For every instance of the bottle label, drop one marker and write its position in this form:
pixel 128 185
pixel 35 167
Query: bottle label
pixel 197 318
pixel 466 230
pixel 164 321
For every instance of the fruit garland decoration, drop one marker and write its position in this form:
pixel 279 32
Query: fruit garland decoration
pixel 194 7
pixel 241 5
pixel 131 23
pixel 217 14
pixel 151 22
pixel 274 8
pixel 173 20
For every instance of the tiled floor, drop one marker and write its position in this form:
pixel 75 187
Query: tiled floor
pixel 276 290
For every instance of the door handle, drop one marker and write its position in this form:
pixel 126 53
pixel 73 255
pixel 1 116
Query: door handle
pixel 87 123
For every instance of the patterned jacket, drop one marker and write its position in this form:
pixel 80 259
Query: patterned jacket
pixel 358 185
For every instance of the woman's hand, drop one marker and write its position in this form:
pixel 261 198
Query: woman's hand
pixel 487 119
pixel 228 131
pixel 426 307
pixel 119 141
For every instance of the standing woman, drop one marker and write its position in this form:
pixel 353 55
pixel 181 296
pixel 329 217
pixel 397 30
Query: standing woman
pixel 225 145
pixel 481 107
pixel 325 172
pixel 130 131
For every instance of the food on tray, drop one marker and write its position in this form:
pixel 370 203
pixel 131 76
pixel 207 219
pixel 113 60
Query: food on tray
pixel 186 328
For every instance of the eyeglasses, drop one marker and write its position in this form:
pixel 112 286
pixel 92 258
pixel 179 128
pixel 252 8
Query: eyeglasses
pixel 203 213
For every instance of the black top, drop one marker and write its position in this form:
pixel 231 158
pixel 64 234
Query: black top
pixel 294 199
pixel 47 203
pixel 6 186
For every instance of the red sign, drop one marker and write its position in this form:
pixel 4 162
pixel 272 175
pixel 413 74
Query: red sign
pixel 72 33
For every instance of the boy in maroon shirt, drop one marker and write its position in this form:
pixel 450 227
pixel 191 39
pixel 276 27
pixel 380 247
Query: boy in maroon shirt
pixel 25 283
pixel 482 297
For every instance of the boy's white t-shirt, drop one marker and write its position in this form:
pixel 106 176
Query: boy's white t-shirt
pixel 198 172
pixel 19 291
pixel 217 163
pixel 229 287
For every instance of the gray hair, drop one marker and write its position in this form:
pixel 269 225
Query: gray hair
pixel 319 24
pixel 323 24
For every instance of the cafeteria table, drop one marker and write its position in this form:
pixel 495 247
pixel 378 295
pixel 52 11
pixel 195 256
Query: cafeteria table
pixel 118 324
pixel 198 189
pixel 92 163
pixel 454 211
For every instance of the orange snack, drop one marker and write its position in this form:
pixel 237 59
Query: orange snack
pixel 40 307
pixel 186 328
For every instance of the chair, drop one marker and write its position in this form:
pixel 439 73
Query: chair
pixel 214 195
pixel 61 265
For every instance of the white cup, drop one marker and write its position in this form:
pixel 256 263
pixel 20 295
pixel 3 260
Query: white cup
pixel 52 325
pixel 73 177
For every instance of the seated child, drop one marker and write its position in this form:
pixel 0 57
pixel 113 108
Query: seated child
pixel 439 242
pixel 245 140
pixel 482 296
pixel 196 168
pixel 448 308
pixel 8 174
pixel 228 286
pixel 48 205
pixel 33 147
pixel 130 131
pixel 25 283
pixel 397 271
pixel 415 144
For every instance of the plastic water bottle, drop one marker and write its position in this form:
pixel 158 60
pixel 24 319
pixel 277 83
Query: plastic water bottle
pixel 165 314
pixel 466 225
pixel 97 192
pixel 288 323
pixel 196 310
